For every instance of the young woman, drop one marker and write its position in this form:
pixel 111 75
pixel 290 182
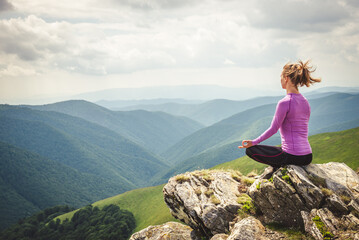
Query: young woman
pixel 291 118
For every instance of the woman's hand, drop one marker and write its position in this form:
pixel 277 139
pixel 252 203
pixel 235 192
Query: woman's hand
pixel 246 144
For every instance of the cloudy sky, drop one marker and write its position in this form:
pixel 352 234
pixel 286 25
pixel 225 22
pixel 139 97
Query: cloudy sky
pixel 61 48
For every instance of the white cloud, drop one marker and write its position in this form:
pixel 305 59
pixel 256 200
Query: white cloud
pixel 31 38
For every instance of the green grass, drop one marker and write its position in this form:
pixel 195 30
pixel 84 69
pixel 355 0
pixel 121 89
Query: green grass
pixel 146 204
pixel 340 146
pixel 149 208
pixel 243 164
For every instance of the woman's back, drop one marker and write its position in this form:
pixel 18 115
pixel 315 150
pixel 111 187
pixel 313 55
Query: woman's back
pixel 294 129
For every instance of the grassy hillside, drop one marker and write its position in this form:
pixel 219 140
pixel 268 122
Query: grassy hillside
pixel 149 208
pixel 79 144
pixel 146 204
pixel 340 146
pixel 30 182
pixel 155 131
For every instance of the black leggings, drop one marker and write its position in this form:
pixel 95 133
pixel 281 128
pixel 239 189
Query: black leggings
pixel 276 157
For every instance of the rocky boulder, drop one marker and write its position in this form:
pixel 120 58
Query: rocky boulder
pixel 321 199
pixel 248 228
pixel 206 200
pixel 291 194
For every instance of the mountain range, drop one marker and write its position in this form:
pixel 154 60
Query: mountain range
pixel 155 131
pixel 79 144
pixel 210 112
pixel 195 92
pixel 102 152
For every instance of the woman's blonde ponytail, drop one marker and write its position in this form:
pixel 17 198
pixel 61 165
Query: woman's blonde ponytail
pixel 300 73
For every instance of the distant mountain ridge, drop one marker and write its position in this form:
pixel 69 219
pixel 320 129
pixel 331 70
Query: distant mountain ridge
pixel 196 92
pixel 213 111
pixel 155 131
pixel 209 112
pixel 119 104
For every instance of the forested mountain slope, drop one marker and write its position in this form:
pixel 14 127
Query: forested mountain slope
pixel 155 131
pixel 30 182
pixel 79 144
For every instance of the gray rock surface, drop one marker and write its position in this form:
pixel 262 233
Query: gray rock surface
pixel 248 229
pixel 205 200
pixel 220 236
pixel 295 189
pixel 278 201
pixel 338 177
pixel 321 223
pixel 167 231
pixel 336 205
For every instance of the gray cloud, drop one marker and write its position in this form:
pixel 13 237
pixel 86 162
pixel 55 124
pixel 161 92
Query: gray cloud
pixel 298 15
pixel 5 5
pixel 352 3
pixel 24 51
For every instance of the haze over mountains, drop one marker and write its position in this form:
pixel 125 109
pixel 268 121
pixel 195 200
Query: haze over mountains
pixel 196 92
pixel 212 111
pixel 193 92
pixel 111 152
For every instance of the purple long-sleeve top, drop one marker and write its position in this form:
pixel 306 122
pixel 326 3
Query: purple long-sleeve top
pixel 291 118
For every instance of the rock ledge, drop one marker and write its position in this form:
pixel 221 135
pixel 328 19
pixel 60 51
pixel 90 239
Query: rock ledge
pixel 320 199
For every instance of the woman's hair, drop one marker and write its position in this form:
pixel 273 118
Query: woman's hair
pixel 300 73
